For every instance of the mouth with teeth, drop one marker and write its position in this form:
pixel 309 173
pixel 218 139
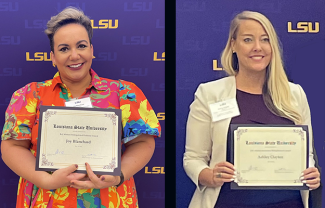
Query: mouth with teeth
pixel 76 66
pixel 257 58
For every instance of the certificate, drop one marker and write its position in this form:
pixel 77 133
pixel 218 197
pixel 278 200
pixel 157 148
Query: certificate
pixel 269 157
pixel 77 135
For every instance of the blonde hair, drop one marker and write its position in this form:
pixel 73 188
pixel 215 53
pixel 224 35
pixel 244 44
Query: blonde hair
pixel 276 90
pixel 67 16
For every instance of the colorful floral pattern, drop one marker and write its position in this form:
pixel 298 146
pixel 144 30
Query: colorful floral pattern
pixel 22 118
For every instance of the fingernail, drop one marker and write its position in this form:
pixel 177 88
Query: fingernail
pixel 103 179
pixel 304 181
pixel 235 172
pixel 234 168
pixel 232 179
pixel 307 185
pixel 302 178
pixel 76 165
pixel 310 189
pixel 302 174
pixel 71 186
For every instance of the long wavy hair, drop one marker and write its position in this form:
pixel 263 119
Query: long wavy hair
pixel 276 90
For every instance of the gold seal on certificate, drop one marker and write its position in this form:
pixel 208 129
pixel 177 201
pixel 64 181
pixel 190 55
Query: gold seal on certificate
pixel 269 157
pixel 74 135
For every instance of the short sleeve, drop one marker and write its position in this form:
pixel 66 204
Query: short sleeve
pixel 138 117
pixel 20 114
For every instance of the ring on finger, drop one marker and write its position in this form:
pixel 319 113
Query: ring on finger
pixel 219 175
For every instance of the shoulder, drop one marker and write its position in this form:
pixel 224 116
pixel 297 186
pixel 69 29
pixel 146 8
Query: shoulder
pixel 219 83
pixel 217 86
pixel 296 90
pixel 126 85
pixel 27 88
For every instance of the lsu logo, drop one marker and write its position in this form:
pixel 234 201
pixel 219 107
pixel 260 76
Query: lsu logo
pixel 11 72
pixel 157 87
pixel 137 7
pixel 215 66
pixel 104 24
pixel 136 40
pixel 161 58
pixel 9 40
pixel 304 27
pixel 9 6
pixel 106 56
pixel 134 72
pixel 38 56
pixel 161 116
pixel 160 24
pixel 36 24
pixel 9 182
pixel 6 102
pixel 154 170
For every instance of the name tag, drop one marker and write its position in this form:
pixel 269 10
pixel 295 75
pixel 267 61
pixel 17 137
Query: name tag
pixel 224 109
pixel 83 102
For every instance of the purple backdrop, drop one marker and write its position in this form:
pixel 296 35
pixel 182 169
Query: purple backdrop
pixel 201 33
pixel 128 44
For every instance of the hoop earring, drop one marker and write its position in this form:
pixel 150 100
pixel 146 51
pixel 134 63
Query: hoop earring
pixel 53 64
pixel 94 57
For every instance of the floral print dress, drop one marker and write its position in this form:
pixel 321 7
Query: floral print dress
pixel 22 118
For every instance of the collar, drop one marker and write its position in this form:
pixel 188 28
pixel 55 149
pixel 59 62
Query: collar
pixel 97 82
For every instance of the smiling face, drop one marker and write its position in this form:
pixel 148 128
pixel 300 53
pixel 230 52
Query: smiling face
pixel 252 47
pixel 72 53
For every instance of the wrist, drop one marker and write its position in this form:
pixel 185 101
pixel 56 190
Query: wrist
pixel 45 181
pixel 121 179
pixel 206 177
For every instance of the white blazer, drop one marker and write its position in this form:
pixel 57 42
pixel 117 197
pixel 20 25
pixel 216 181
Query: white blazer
pixel 206 141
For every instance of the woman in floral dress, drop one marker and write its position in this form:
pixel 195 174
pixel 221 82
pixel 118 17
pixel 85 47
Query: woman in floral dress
pixel 70 34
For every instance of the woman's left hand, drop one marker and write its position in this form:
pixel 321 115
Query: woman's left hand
pixel 93 181
pixel 311 177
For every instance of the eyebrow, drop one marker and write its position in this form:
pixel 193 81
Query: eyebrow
pixel 252 35
pixel 80 41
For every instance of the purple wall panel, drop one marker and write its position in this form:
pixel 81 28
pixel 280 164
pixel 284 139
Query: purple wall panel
pixel 129 44
pixel 201 34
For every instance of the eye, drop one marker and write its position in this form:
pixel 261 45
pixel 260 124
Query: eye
pixel 266 40
pixel 82 46
pixel 247 40
pixel 63 49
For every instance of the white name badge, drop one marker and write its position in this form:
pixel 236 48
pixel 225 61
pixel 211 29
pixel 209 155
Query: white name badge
pixel 224 109
pixel 83 102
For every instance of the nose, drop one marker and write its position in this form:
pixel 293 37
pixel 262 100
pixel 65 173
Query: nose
pixel 74 55
pixel 257 46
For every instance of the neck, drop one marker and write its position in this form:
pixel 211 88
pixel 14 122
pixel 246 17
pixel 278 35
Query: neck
pixel 250 82
pixel 77 88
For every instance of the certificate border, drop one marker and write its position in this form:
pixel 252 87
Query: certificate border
pixel 234 185
pixel 44 108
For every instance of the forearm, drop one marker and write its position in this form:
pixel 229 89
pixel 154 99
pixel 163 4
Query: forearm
pixel 205 177
pixel 20 160
pixel 137 154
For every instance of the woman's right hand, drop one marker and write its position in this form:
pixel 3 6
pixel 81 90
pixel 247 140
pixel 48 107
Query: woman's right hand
pixel 62 177
pixel 223 172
